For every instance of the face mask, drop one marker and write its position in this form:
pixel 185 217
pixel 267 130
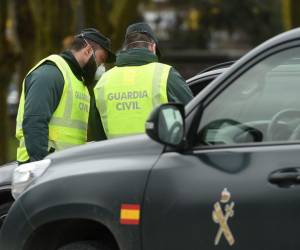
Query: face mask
pixel 89 71
pixel 94 55
pixel 100 71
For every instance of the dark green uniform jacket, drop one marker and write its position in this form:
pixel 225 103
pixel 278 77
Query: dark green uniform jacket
pixel 43 90
pixel 177 89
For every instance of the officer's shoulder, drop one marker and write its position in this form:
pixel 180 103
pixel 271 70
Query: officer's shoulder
pixel 109 72
pixel 47 70
pixel 164 65
pixel 160 63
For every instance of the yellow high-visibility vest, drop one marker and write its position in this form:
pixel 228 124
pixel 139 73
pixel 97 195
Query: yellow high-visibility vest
pixel 69 122
pixel 125 96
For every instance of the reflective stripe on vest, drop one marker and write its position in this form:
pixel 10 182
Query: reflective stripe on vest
pixel 68 124
pixel 125 96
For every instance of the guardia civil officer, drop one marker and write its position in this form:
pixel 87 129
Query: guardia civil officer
pixel 126 94
pixel 54 104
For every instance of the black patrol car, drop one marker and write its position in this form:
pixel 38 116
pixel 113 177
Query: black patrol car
pixel 196 83
pixel 221 173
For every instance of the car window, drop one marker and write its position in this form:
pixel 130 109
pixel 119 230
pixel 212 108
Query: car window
pixel 262 105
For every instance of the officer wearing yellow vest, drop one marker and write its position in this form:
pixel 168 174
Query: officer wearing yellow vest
pixel 126 94
pixel 54 105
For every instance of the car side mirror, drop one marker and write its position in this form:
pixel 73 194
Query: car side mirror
pixel 166 124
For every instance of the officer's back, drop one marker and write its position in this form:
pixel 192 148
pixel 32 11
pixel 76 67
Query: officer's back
pixel 126 94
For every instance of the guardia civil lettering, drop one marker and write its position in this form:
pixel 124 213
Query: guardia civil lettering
pixel 82 96
pixel 128 99
pixel 127 95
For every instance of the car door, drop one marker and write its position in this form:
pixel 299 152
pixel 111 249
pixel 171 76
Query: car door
pixel 237 187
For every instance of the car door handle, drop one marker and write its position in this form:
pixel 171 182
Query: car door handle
pixel 285 177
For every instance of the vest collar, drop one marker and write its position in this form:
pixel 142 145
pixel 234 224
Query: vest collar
pixel 135 57
pixel 73 64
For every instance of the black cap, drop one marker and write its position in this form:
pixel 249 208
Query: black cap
pixel 95 36
pixel 143 28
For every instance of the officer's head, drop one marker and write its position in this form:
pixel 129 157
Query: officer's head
pixel 91 49
pixel 140 35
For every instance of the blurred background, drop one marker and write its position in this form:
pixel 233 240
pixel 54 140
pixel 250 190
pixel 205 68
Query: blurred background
pixel 193 34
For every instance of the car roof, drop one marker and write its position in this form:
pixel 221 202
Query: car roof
pixel 214 70
pixel 217 66
pixel 206 74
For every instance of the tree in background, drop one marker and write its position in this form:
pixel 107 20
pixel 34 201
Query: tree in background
pixel 198 21
pixel 258 20
pixel 111 17
pixel 8 58
pixel 290 14
pixel 39 30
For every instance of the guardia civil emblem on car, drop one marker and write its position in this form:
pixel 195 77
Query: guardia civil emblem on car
pixel 223 210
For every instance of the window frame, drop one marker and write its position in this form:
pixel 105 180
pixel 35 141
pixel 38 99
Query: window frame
pixel 219 86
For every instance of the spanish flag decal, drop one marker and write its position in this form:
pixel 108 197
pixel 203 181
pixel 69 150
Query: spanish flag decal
pixel 130 214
